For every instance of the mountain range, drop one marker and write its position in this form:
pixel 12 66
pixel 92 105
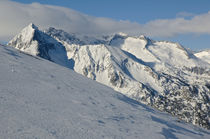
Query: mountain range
pixel 161 74
pixel 42 100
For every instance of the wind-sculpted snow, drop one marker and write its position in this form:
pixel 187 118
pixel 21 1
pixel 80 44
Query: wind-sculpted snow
pixel 161 74
pixel 40 99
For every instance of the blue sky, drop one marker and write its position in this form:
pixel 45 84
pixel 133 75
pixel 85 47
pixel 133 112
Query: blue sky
pixel 143 12
pixel 140 11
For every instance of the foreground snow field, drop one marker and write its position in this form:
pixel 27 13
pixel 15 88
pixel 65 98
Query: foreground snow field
pixel 40 99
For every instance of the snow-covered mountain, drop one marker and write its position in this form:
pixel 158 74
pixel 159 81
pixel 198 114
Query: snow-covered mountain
pixel 40 99
pixel 161 74
pixel 204 55
pixel 35 42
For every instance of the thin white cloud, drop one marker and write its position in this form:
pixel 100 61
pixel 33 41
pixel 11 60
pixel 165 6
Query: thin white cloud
pixel 14 16
pixel 199 24
pixel 184 14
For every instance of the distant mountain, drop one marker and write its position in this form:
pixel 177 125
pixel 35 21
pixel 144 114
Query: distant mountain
pixel 204 55
pixel 35 42
pixel 161 74
pixel 40 99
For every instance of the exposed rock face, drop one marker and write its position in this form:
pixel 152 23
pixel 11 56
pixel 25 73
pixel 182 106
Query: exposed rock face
pixel 162 74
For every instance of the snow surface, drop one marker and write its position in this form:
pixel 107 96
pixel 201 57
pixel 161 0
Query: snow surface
pixel 36 43
pixel 204 55
pixel 40 99
pixel 161 74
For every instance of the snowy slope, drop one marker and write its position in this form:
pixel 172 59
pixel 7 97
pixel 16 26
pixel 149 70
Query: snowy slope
pixel 40 99
pixel 158 73
pixel 204 55
pixel 155 51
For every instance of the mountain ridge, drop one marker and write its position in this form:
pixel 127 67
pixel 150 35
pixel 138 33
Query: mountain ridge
pixel 157 73
pixel 37 43
pixel 204 55
pixel 40 99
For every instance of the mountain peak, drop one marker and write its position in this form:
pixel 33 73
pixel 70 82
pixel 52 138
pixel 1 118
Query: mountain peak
pixel 28 32
pixel 143 37
pixel 158 73
pixel 26 35
pixel 36 42
pixel 30 28
pixel 204 55
pixel 25 40
pixel 122 34
pixel 32 25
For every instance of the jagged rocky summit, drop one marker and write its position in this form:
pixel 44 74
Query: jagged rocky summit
pixel 161 74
